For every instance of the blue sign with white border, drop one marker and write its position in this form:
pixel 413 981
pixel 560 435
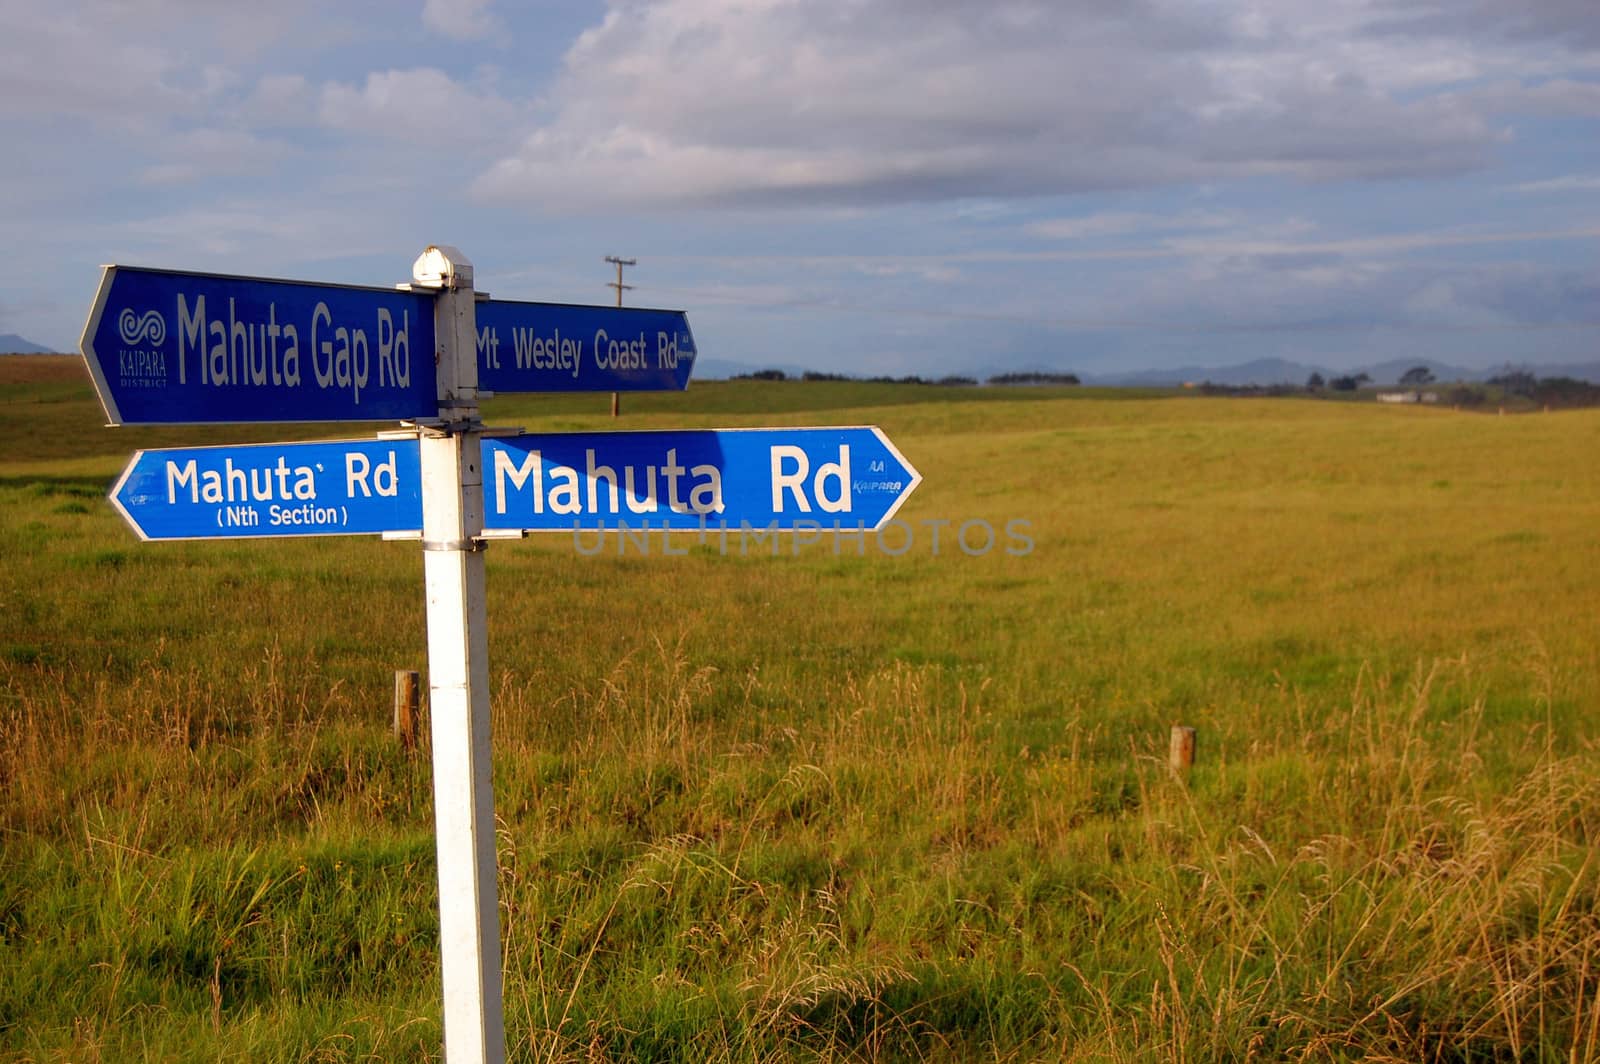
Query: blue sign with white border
pixel 346 487
pixel 562 347
pixel 173 347
pixel 789 478
pixel 782 478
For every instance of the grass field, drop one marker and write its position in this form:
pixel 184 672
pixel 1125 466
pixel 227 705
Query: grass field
pixel 841 805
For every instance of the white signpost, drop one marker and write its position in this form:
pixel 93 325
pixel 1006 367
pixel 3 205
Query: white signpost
pixel 250 366
pixel 458 674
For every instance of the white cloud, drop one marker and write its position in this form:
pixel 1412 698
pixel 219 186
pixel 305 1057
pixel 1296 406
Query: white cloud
pixel 205 153
pixel 422 106
pixel 838 102
pixel 937 273
pixel 732 293
pixel 1030 126
pixel 259 229
pixel 68 66
pixel 131 65
pixel 462 20
pixel 1569 183
pixel 1283 242
pixel 1557 96
pixel 280 100
pixel 1574 23
pixel 1121 223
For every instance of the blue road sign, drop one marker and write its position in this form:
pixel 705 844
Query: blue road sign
pixel 170 347
pixel 801 478
pixel 560 347
pixel 729 478
pixel 345 487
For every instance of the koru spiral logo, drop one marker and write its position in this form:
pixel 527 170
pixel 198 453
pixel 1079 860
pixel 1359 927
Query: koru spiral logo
pixel 151 328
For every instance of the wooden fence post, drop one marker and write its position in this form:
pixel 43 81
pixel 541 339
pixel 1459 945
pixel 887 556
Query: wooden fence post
pixel 1180 754
pixel 407 704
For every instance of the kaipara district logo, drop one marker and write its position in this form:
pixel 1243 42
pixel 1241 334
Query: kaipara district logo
pixel 152 328
pixel 142 364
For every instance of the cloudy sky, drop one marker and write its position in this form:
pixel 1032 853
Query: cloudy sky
pixel 873 186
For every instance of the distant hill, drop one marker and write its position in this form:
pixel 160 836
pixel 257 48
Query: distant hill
pixel 12 344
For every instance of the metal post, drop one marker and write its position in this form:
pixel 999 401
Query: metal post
pixel 458 676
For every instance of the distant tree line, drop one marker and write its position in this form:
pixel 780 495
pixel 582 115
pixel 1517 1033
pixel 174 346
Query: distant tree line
pixel 1070 379
pixel 1316 383
pixel 949 380
pixel 1547 391
pixel 1246 391
pixel 1511 383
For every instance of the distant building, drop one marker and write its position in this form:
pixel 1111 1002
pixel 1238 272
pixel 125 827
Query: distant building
pixel 1408 397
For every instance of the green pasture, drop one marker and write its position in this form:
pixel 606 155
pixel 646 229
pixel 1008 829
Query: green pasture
pixel 851 800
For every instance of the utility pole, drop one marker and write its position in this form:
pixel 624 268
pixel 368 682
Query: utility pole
pixel 616 403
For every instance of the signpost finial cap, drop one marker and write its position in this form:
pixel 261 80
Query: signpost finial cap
pixel 442 266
